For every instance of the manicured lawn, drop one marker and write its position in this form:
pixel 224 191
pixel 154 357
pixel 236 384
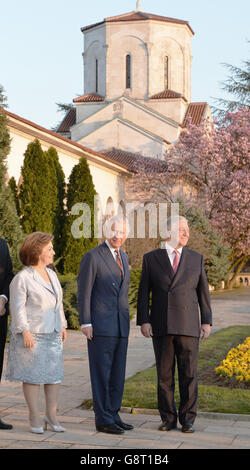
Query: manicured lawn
pixel 216 394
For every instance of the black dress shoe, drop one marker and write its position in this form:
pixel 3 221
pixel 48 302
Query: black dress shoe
pixel 110 429
pixel 187 428
pixel 167 426
pixel 125 426
pixel 5 425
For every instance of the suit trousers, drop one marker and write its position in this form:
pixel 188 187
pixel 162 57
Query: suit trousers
pixel 107 363
pixel 3 335
pixel 167 350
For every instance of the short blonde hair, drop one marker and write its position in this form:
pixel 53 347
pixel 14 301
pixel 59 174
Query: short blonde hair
pixel 32 247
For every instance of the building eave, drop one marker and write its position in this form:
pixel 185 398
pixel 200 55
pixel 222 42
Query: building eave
pixel 25 126
pixel 138 15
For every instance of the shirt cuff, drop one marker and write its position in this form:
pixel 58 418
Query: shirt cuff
pixel 86 324
pixel 4 296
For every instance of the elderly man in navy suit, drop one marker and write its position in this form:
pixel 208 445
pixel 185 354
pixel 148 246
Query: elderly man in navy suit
pixel 6 275
pixel 103 284
pixel 179 315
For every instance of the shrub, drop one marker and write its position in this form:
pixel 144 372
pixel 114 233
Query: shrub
pixel 135 275
pixel 69 286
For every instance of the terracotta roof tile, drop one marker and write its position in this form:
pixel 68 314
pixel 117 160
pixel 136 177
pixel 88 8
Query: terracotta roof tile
pixel 130 160
pixel 68 121
pixel 195 112
pixel 138 16
pixel 88 98
pixel 167 94
pixel 120 156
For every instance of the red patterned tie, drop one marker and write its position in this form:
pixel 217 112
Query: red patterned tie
pixel 118 260
pixel 176 261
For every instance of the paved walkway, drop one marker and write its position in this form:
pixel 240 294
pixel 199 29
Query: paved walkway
pixel 213 431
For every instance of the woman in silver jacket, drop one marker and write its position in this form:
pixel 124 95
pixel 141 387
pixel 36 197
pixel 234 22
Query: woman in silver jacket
pixel 38 329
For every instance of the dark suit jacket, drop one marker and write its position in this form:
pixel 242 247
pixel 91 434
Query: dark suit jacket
pixel 102 299
pixel 6 272
pixel 176 298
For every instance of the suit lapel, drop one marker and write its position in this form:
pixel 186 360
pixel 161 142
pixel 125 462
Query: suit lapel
pixel 163 259
pixel 43 283
pixel 181 268
pixel 109 260
pixel 124 264
pixel 54 285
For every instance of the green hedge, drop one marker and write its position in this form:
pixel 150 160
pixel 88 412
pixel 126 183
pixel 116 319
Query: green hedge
pixel 69 286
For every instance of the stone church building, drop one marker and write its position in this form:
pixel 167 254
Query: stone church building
pixel 137 85
pixel 136 99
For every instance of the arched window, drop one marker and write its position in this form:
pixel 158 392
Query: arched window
pixel 166 72
pixel 109 209
pixel 96 76
pixel 122 208
pixel 128 71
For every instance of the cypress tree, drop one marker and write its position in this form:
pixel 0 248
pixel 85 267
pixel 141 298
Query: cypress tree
pixel 10 228
pixel 13 186
pixel 3 98
pixel 36 191
pixel 58 200
pixel 80 190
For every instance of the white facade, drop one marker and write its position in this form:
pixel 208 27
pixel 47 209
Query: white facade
pixel 108 177
pixel 126 124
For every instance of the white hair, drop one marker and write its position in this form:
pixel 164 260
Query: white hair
pixel 115 219
pixel 174 220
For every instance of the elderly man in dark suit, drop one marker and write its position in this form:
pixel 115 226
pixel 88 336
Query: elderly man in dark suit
pixel 176 278
pixel 6 275
pixel 103 284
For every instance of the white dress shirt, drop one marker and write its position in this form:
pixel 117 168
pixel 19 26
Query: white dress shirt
pixel 171 253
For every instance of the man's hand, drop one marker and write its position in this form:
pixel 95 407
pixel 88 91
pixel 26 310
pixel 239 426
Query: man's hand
pixel 88 332
pixel 146 330
pixel 2 306
pixel 205 331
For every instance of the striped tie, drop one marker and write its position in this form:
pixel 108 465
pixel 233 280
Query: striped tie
pixel 118 260
pixel 176 261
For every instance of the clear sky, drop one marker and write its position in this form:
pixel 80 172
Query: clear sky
pixel 41 47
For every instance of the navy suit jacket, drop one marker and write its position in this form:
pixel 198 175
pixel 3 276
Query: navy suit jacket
pixel 6 271
pixel 6 275
pixel 102 298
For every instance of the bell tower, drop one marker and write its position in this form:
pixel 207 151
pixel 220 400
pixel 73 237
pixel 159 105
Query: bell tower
pixel 137 84
pixel 137 54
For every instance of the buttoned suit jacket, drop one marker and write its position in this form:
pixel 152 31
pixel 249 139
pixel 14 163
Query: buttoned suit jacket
pixel 180 302
pixel 36 305
pixel 102 298
pixel 6 271
pixel 6 275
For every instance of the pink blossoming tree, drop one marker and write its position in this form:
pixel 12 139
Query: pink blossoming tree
pixel 214 158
